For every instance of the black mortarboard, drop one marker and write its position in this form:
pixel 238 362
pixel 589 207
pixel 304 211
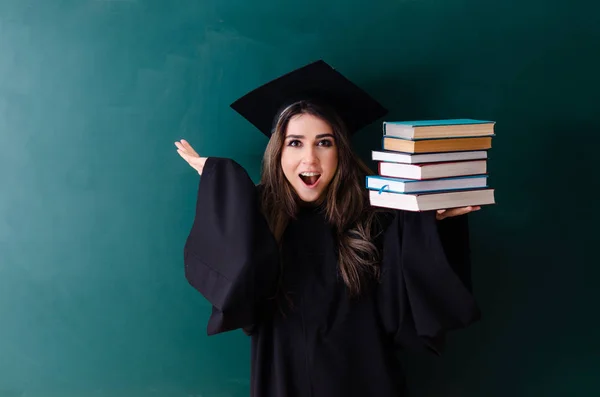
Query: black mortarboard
pixel 318 81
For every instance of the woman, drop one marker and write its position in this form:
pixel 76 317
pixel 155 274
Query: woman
pixel 328 287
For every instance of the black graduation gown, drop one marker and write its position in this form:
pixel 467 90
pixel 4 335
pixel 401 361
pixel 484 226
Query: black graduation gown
pixel 323 343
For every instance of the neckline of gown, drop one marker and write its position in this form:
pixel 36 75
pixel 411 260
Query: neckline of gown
pixel 309 211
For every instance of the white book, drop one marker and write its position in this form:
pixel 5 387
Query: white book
pixel 408 158
pixel 399 185
pixel 431 201
pixel 432 170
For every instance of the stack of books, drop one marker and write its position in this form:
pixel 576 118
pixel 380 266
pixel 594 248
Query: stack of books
pixel 432 164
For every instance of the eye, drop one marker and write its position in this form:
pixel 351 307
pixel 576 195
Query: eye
pixel 325 142
pixel 294 143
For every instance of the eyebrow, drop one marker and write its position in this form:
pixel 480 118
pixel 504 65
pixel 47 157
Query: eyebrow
pixel 317 137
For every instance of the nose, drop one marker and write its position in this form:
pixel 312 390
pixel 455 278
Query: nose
pixel 310 155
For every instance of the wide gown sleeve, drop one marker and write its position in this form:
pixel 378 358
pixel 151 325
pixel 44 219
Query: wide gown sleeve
pixel 230 255
pixel 425 288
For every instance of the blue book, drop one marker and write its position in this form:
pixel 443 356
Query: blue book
pixel 401 185
pixel 438 129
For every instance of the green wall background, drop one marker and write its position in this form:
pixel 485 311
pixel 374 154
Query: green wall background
pixel 95 204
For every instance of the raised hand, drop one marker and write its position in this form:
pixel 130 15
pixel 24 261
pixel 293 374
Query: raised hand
pixel 441 214
pixel 187 152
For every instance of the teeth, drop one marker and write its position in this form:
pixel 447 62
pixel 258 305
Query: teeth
pixel 309 173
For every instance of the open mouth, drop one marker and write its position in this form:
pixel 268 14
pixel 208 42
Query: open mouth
pixel 310 179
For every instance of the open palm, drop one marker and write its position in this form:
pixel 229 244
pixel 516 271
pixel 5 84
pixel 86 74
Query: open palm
pixel 187 152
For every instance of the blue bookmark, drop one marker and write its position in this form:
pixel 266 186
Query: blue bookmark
pixel 384 188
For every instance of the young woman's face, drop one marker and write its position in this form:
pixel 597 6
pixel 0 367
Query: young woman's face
pixel 309 157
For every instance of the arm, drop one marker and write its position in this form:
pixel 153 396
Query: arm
pixel 422 296
pixel 230 255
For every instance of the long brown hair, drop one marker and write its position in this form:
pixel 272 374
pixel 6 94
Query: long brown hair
pixel 345 201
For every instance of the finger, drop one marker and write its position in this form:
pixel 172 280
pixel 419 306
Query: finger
pixel 180 147
pixel 454 212
pixel 439 215
pixel 189 148
pixel 191 158
pixel 193 161
pixel 459 211
pixel 184 156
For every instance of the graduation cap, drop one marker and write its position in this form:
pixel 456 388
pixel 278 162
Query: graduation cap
pixel 317 81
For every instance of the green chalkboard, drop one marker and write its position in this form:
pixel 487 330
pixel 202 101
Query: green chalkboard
pixel 95 204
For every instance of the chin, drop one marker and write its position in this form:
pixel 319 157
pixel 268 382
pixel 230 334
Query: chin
pixel 309 197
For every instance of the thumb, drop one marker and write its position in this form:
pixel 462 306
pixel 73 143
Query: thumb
pixel 440 214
